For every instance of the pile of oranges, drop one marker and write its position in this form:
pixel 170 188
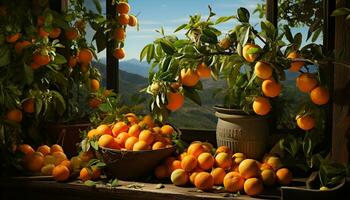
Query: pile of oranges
pixel 133 133
pixel 119 33
pixel 204 169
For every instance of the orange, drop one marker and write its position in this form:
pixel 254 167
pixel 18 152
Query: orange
pixel 105 140
pixel 84 67
pixel 47 170
pixel 161 172
pixel 26 149
pixel 85 174
pixel 189 77
pixel 60 173
pixel 253 187
pixel 14 115
pixel 72 33
pixel 103 129
pixel 119 34
pixel 67 163
pixel 306 82
pixel 167 129
pixel 94 103
pixel 114 144
pixel 158 145
pixel 148 119
pixel 248 168
pixel 132 20
pixel 21 45
pixel 179 177
pixel 195 149
pixel 41 59
pixel 204 181
pixel 268 177
pixel 40 21
pixel 188 163
pixel 250 57
pixel 13 38
pixel 156 130
pixel 262 70
pixel 96 172
pixel 218 175
pixel 265 166
pixel 319 95
pixel 225 43
pixel 55 33
pixel 205 161
pixel 233 182
pixel 203 71
pixel 59 157
pixel 223 160
pixel 85 56
pixel 182 155
pixel 44 149
pixel 176 164
pixel 306 122
pixel 207 147
pixel 119 127
pixel 271 88
pixel 95 85
pixel 121 139
pixel 55 148
pixel 147 136
pixel 132 118
pixel 238 158
pixel 72 61
pixel 224 149
pixel 193 175
pixel 92 133
pixel 29 106
pixel 140 145
pixel 169 161
pixel 284 176
pixel 175 101
pixel 119 53
pixel 261 106
pixel 86 156
pixel 34 161
pixel 42 33
pixel 134 130
pixel 123 19
pixel 122 7
pixel 295 66
pixel 129 143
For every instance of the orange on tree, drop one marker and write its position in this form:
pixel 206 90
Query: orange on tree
pixel 13 38
pixel 253 187
pixel 119 34
pixel 60 173
pixel 42 32
pixel 295 66
pixel 189 163
pixel 34 66
pixel 204 181
pixel 225 43
pixel 306 122
pixel 29 106
pixel 248 168
pixel 26 149
pixel 123 19
pixel 218 175
pixel 223 160
pixel 161 172
pixel 94 103
pixel 94 85
pixel 175 101
pixel 261 106
pixel 271 88
pixel 319 95
pixel 44 149
pixel 121 139
pixel 179 177
pixel 72 61
pixel 252 56
pixel 140 145
pixel 14 115
pixel 122 7
pixel 72 33
pixel 306 82
pixel 233 182
pixel 132 20
pixel 203 71
pixel 263 70
pixel 19 46
pixel 55 33
pixel 205 161
pixel 85 56
pixel 284 176
pixel 119 53
pixel 41 59
pixel 189 77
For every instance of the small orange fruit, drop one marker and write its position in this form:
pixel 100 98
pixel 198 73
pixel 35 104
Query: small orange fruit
pixel 175 101
pixel 271 88
pixel 248 168
pixel 105 140
pixel 225 43
pixel 72 61
pixel 132 118
pixel 119 34
pixel 13 38
pixel 179 177
pixel 55 33
pixel 41 59
pixel 306 82
pixel 204 181
pixel 29 106
pixel 123 19
pixel 67 163
pixel 35 161
pixel 85 56
pixel 203 71
pixel 26 149
pixel 218 175
pixel 263 70
pixel 189 163
pixel 129 143
pixel 250 57
pixel 140 145
pixel 85 174
pixel 21 45
pixel 60 173
pixel 119 53
pixel 14 115
pixel 44 149
pixel 161 172
pixel 189 77
pixel 95 85
pixel 319 95
pixel 261 106
pixel 233 182
pixel 225 149
pixel 72 33
pixel 253 187
pixel 119 127
pixel 122 7
pixel 195 149
pixel 223 160
pixel 167 129
pixel 47 170
pixel 284 176
pixel 42 32
pixel 295 66
pixel 147 136
pixel 132 20
pixel 205 161
pixel 121 139
pixel 176 164
pixel 134 130
pixel 158 145
pixel 94 103
pixel 306 122
pixel 103 129
pixel 55 148
pixel 59 157
pixel 268 177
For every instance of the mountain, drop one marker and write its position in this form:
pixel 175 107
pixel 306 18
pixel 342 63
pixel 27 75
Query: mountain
pixel 133 66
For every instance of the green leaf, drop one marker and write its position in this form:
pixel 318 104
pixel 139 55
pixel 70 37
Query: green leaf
pixel 144 52
pixel 254 50
pixel 29 74
pixel 105 107
pixel 38 106
pixel 167 48
pixel 98 6
pixel 298 39
pixel 90 183
pixel 182 26
pixel 115 183
pixel 223 19
pixel 61 104
pixel 59 59
pixel 288 33
pixel 4 55
pixel 243 15
pixel 341 11
pixel 316 34
pixel 245 37
pixel 100 38
pixel 94 144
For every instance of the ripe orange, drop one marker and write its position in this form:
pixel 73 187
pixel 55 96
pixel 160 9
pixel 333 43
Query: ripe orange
pixel 86 156
pixel 225 43
pixel 114 144
pixel 189 77
pixel 21 45
pixel 67 163
pixel 218 175
pixel 55 148
pixel 123 19
pixel 203 71
pixel 179 177
pixel 204 181
pixel 248 168
pixel 119 53
pixel 94 103
pixel 238 158
pixel 261 106
pixel 249 57
pixel 147 136
pixel 284 176
pixel 44 149
pixel 95 85
pixel 134 130
pixel 158 145
pixel 176 164
pixel 29 106
pixel 161 172
pixel 85 174
pixel 14 115
pixel 132 118
pixel 193 176
pixel 72 61
pixel 119 34
pixel 47 170
pixel 148 120
pixel 167 129
pixel 13 38
pixel 253 187
pixel 60 173
pixel 55 33
pixel 268 177
pixel 195 149
pixel 271 88
pixel 306 122
pixel 26 149
pixel 34 66
pixel 105 140
pixel 119 127
pixel 225 149
pixel 35 161
pixel 40 21
pixel 121 139
pixel 207 147
pixel 122 7
pixel 140 145
pixel 189 163
pixel 103 129
pixel 42 33
pixel 175 101
pixel 306 82
pixel 263 70
pixel 205 161
pixel 223 160
pixel 169 161
pixel 295 66
pixel 233 182
pixel 319 95
pixel 84 67
pixel 265 166
pixel 41 59
pixel 72 33
pixel 85 56
pixel 132 20
pixel 59 157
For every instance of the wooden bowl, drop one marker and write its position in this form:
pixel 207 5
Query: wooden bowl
pixel 133 165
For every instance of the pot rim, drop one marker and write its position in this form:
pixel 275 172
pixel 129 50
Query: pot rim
pixel 234 113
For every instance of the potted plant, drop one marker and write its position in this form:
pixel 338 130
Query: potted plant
pixel 252 62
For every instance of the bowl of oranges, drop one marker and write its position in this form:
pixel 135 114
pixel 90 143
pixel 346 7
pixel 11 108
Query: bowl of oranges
pixel 134 145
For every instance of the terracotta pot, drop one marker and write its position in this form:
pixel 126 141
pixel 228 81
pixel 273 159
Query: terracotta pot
pixel 66 135
pixel 241 132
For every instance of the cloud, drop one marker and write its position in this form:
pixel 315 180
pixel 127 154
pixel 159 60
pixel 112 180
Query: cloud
pixel 149 22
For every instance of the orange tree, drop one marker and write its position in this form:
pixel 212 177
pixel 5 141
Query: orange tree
pixel 253 61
